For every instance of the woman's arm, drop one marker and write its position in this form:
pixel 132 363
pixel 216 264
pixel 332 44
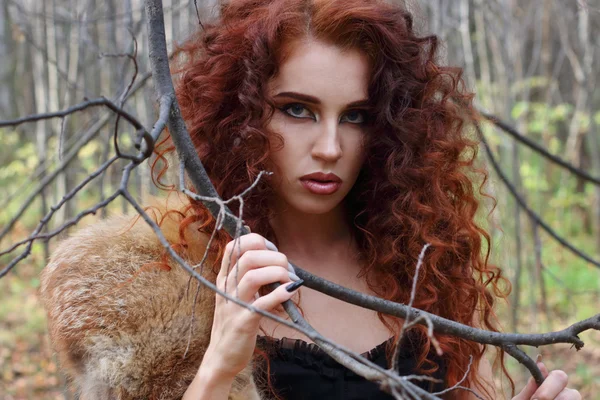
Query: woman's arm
pixel 234 328
pixel 208 384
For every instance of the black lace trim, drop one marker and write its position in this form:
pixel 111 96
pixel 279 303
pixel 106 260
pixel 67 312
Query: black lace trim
pixel 311 356
pixel 312 348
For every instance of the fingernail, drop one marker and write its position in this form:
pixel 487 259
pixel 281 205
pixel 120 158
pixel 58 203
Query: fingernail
pixel 270 245
pixel 294 277
pixel 294 286
pixel 539 358
pixel 291 269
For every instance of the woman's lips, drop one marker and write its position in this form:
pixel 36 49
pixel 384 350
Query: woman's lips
pixel 320 187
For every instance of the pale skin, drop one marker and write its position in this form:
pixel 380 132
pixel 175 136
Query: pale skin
pixel 323 133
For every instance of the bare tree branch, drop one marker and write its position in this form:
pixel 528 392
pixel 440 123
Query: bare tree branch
pixel 79 107
pixel 536 147
pixel 170 116
pixel 532 214
pixel 190 160
pixel 201 182
pixel 36 235
pixel 68 158
pixel 353 361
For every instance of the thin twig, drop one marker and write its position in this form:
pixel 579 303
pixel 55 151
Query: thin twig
pixel 78 107
pixel 459 383
pixel 396 356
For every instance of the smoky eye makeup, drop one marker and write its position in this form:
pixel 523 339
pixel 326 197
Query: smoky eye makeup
pixel 297 110
pixel 357 116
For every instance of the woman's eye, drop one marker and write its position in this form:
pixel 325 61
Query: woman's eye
pixel 356 116
pixel 297 111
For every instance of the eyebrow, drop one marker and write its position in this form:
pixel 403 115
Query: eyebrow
pixel 311 99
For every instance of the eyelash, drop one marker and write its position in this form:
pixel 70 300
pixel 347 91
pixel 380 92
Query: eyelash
pixel 286 107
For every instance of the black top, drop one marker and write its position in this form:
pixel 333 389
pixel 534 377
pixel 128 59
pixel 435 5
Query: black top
pixel 301 370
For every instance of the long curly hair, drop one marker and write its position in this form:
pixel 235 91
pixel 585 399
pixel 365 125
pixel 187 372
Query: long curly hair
pixel 419 184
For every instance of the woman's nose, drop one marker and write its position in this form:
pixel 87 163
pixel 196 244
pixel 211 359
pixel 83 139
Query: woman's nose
pixel 327 145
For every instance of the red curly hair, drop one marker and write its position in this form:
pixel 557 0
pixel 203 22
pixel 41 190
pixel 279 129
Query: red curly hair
pixel 417 185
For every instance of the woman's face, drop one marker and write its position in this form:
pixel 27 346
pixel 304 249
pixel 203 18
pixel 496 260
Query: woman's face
pixel 321 95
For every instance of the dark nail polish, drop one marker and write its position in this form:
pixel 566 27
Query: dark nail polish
pixel 294 285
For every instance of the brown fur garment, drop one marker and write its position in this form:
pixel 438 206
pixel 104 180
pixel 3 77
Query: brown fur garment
pixel 119 324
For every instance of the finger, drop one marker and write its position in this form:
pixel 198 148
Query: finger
pixel 254 279
pixel 543 369
pixel 270 301
pixel 531 385
pixel 555 382
pixel 254 259
pixel 237 248
pixel 527 391
pixel 271 246
pixel 569 394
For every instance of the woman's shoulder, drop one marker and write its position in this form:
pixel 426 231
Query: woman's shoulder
pixel 120 311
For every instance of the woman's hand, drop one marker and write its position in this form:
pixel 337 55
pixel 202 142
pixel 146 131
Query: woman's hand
pixel 554 387
pixel 234 329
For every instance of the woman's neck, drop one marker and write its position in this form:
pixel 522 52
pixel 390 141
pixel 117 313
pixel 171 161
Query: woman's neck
pixel 313 240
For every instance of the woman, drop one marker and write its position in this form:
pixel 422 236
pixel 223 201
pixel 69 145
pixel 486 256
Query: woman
pixel 370 159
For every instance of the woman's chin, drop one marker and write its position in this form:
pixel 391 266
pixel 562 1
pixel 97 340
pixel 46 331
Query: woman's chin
pixel 315 206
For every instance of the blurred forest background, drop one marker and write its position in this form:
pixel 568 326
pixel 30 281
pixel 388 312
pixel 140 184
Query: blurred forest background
pixel 532 63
